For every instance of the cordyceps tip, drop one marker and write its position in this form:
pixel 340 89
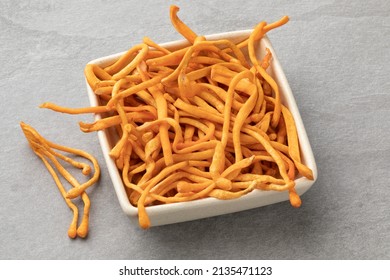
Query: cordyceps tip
pixel 144 225
pixel 73 193
pixel 82 231
pixel 28 131
pixel 72 232
pixel 143 220
pixel 86 169
pixel 23 125
pixel 174 8
pixel 295 200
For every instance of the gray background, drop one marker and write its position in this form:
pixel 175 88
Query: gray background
pixel 336 57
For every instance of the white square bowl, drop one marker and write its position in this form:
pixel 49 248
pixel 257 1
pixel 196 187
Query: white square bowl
pixel 208 207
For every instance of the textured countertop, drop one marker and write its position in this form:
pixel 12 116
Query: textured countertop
pixel 336 58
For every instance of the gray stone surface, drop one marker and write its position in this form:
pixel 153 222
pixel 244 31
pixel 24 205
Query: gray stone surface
pixel 336 57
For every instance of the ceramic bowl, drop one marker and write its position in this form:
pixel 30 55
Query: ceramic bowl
pixel 207 207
